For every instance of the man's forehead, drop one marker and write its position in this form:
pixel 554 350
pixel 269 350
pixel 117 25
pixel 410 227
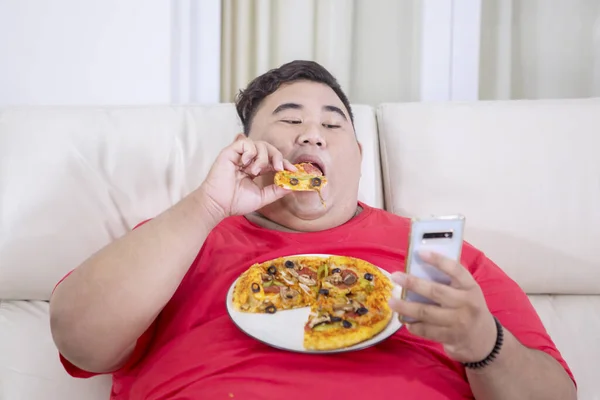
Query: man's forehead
pixel 304 94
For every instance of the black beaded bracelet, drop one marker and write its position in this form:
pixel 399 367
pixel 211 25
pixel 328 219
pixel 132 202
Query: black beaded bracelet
pixel 495 350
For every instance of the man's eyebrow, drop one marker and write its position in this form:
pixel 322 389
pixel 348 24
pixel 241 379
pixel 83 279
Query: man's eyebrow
pixel 287 106
pixel 335 110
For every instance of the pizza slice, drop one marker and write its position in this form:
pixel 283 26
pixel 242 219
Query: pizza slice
pixel 281 284
pixel 350 275
pixel 335 323
pixel 309 177
pixel 351 307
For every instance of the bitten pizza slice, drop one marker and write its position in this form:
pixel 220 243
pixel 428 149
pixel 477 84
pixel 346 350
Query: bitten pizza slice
pixel 309 177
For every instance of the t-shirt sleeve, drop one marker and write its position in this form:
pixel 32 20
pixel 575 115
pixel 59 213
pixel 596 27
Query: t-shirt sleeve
pixel 509 303
pixel 138 353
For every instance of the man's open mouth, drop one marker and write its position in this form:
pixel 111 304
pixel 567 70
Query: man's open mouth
pixel 313 169
pixel 313 165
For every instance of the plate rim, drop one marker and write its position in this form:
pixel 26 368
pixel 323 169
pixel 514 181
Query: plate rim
pixel 353 348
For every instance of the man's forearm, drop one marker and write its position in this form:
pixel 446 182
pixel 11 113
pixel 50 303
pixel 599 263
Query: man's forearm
pixel 98 312
pixel 521 373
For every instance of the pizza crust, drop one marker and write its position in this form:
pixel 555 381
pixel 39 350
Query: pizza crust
pixel 344 337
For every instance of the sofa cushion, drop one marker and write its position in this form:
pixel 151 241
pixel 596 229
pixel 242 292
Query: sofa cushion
pixel 573 323
pixel 29 365
pixel 73 179
pixel 526 174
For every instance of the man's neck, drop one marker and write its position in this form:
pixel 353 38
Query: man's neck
pixel 261 220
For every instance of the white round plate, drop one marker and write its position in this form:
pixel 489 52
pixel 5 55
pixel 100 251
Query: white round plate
pixel 285 329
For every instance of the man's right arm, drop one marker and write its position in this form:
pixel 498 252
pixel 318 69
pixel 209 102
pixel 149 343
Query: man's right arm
pixel 99 311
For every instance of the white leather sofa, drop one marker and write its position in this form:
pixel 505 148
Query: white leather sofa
pixel 525 173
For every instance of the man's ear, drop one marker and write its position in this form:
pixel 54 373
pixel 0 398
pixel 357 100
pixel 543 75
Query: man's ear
pixel 239 136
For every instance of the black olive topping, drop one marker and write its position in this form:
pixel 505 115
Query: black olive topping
pixel 289 264
pixel 271 270
pixel 324 292
pixel 270 309
pixel 362 311
pixel 369 276
pixel 336 319
pixel 336 271
pixel 315 182
pixel 293 181
pixel 255 287
pixel 346 324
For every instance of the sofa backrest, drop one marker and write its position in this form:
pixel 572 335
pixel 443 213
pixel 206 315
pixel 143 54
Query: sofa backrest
pixel 74 178
pixel 526 174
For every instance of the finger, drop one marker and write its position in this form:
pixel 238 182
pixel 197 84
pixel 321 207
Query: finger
pixel 268 158
pixel 444 295
pixel 460 276
pixel 440 334
pixel 289 166
pixel 261 161
pixel 272 193
pixel 276 158
pixel 277 161
pixel 428 313
pixel 243 152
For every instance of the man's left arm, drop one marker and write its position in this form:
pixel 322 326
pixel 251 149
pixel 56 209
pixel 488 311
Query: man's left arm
pixel 463 324
pixel 520 372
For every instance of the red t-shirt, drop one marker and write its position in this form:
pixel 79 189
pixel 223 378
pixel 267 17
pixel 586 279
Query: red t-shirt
pixel 194 351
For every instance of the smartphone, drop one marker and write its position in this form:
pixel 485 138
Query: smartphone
pixel 443 235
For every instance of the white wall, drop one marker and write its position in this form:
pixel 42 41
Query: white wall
pixel 107 52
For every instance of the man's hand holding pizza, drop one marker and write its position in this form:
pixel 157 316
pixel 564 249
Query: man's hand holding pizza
pixel 461 320
pixel 230 188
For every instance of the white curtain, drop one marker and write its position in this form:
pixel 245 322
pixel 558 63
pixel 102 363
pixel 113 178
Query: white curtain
pixel 371 46
pixel 540 49
pixel 535 49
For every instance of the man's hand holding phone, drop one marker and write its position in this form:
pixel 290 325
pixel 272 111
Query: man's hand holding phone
pixel 460 319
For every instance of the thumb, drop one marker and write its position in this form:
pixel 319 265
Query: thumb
pixel 272 193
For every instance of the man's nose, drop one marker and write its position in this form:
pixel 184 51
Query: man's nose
pixel 312 136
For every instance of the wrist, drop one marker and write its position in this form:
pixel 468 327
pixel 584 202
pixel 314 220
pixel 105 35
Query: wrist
pixel 209 212
pixel 491 354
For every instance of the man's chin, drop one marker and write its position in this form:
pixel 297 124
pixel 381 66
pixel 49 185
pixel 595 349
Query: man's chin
pixel 306 205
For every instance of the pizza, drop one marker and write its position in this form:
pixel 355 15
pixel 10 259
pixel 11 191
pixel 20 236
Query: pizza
pixel 348 297
pixel 309 177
